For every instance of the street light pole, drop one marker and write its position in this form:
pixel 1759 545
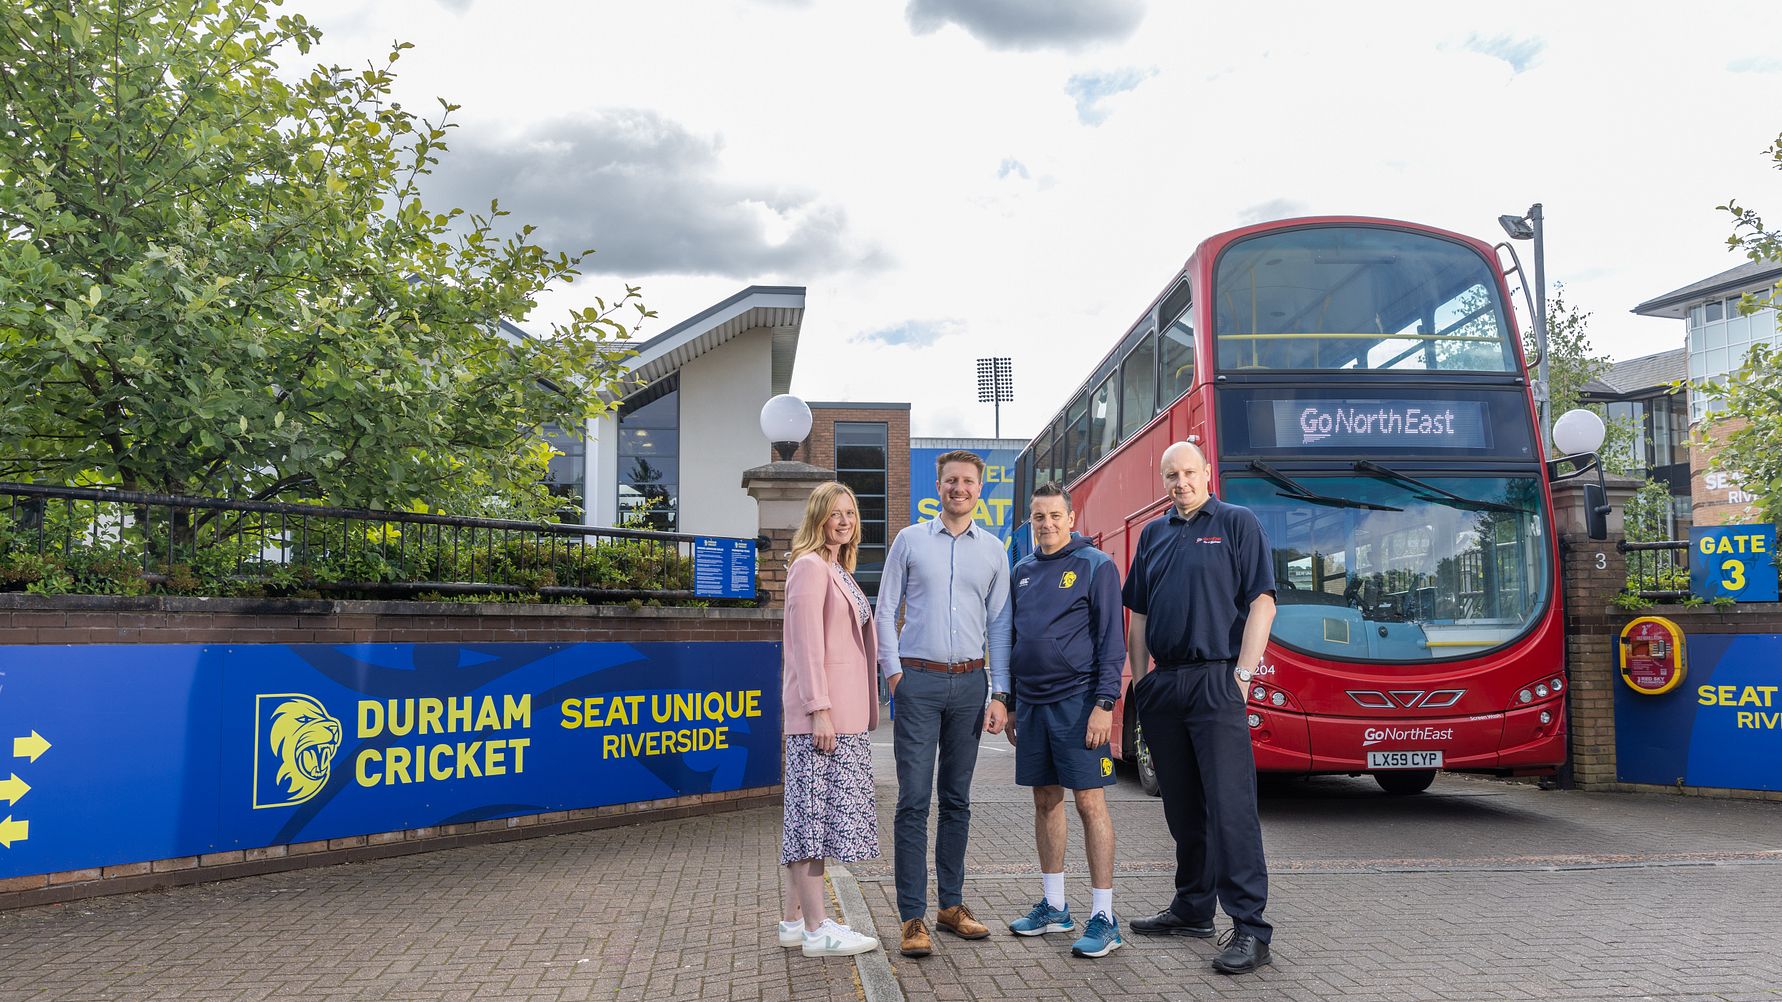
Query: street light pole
pixel 1540 265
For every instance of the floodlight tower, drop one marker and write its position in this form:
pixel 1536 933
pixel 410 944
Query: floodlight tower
pixel 996 385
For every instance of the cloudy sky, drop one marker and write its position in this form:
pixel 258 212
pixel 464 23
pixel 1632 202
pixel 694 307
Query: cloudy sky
pixel 959 178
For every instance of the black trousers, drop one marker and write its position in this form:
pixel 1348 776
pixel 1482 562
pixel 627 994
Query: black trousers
pixel 1194 722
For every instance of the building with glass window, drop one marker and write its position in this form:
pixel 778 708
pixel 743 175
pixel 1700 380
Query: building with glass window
pixel 671 454
pixel 1644 392
pixel 1718 335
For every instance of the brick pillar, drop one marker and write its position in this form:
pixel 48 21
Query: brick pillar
pixel 780 491
pixel 1591 573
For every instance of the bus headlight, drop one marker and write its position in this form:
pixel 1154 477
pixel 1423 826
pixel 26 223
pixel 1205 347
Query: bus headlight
pixel 1255 720
pixel 1525 696
pixel 1278 698
pixel 1541 690
pixel 1259 694
pixel 1546 718
pixel 1557 683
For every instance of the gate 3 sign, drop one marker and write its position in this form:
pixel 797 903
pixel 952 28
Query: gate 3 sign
pixel 131 753
pixel 1736 561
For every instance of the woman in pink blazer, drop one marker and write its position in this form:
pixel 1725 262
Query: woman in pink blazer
pixel 830 699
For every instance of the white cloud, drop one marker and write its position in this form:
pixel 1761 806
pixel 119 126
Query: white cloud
pixel 909 179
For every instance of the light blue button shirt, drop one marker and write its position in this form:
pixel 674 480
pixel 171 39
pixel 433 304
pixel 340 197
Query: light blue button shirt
pixel 954 592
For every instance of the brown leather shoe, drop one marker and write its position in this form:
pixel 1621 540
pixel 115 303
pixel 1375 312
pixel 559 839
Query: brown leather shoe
pixel 959 921
pixel 915 939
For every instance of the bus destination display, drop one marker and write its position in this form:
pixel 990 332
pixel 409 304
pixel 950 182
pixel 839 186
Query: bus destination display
pixel 1370 424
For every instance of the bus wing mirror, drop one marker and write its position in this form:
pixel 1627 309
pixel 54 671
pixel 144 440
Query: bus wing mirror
pixel 1596 511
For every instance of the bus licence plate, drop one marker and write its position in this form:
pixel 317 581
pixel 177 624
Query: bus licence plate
pixel 1404 760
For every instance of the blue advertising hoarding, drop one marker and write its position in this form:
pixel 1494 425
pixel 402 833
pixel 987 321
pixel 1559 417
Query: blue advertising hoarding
pixel 1733 561
pixel 139 752
pixel 997 508
pixel 1722 727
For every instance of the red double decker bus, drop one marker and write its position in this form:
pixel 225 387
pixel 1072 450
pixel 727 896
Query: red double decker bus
pixel 1358 384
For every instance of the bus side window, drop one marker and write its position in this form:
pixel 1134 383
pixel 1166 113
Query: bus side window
pixel 1104 420
pixel 1138 387
pixel 1076 437
pixel 1176 350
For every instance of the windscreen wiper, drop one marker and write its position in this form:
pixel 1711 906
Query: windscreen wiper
pixel 1301 493
pixel 1436 494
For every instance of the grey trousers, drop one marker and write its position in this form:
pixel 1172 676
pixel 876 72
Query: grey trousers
pixel 939 717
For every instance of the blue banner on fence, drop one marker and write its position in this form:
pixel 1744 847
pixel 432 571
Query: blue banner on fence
pixel 997 508
pixel 1722 727
pixel 723 568
pixel 130 753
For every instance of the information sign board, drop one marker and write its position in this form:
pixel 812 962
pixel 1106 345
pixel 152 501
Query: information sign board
pixel 723 568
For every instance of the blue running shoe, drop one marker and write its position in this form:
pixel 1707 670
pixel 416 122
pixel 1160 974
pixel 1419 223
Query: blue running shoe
pixel 1101 936
pixel 1043 919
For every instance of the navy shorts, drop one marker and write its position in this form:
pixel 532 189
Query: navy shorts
pixel 1049 745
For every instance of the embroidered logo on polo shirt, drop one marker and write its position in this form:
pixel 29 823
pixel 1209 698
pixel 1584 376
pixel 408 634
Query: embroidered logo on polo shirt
pixel 1209 539
pixel 1069 578
pixel 1022 583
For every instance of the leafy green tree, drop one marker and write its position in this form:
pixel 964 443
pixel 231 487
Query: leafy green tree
pixel 1748 428
pixel 217 278
pixel 1571 363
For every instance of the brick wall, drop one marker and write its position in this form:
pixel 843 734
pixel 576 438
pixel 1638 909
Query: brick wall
pixel 73 619
pixel 819 450
pixel 1722 505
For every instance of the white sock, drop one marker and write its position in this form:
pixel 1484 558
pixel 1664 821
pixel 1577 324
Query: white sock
pixel 1101 901
pixel 1054 885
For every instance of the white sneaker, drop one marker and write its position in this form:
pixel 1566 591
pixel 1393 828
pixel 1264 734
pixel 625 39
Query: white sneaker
pixel 792 933
pixel 832 940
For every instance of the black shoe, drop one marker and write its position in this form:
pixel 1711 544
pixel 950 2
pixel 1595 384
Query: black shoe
pixel 1168 923
pixel 1243 953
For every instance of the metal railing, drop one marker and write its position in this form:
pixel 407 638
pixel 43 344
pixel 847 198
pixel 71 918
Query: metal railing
pixel 1658 571
pixel 73 539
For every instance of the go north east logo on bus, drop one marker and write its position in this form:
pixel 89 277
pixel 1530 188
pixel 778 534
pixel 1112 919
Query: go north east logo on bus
pixel 295 742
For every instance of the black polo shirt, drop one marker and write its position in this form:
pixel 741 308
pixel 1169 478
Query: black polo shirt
pixel 1194 579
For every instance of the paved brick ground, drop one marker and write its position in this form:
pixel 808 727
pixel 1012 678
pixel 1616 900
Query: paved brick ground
pixel 1477 890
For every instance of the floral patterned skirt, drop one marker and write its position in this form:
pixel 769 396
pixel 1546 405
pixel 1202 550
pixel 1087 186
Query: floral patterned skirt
pixel 830 804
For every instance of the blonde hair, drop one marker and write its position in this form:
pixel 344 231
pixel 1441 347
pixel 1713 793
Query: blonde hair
pixel 810 537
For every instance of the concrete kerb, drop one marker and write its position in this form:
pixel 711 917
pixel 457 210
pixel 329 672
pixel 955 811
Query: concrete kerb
pixel 877 981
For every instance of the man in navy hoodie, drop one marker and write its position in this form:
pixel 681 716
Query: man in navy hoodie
pixel 1068 650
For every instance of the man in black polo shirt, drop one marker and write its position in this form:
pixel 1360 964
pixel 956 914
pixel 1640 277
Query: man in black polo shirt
pixel 1201 591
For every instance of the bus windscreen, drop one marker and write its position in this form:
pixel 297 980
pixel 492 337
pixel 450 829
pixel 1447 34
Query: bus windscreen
pixel 1358 298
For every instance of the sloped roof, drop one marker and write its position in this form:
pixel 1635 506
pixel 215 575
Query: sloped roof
pixel 1647 372
pixel 779 308
pixel 1677 302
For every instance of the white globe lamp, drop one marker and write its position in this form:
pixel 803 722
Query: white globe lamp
pixel 1578 431
pixel 785 420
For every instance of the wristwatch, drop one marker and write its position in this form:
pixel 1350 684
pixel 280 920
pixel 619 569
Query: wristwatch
pixel 1246 674
pixel 1003 698
pixel 1104 703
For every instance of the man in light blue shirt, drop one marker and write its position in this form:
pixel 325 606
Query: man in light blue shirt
pixel 950 576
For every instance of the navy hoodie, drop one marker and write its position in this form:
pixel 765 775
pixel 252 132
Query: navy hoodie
pixel 1068 632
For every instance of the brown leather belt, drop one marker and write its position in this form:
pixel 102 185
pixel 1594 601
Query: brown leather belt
pixel 956 668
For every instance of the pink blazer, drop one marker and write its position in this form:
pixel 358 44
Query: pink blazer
pixel 830 660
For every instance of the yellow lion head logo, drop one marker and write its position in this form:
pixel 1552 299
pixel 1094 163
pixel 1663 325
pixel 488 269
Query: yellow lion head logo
pixel 1069 578
pixel 305 738
pixel 1107 766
